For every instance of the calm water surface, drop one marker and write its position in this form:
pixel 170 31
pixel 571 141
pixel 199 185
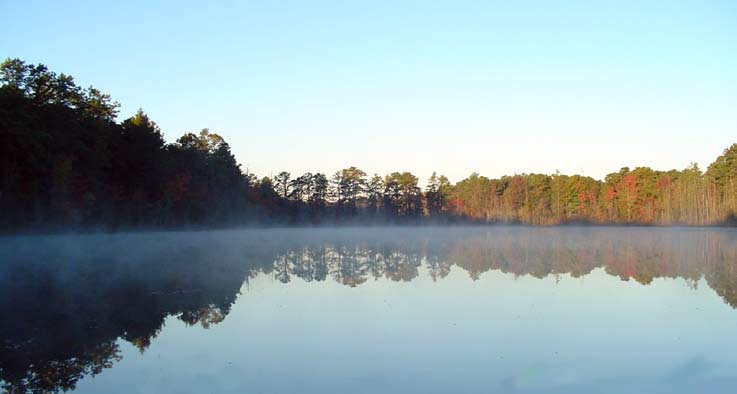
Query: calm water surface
pixel 373 310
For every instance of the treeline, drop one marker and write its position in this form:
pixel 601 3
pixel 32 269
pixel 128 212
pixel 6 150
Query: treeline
pixel 65 162
pixel 638 196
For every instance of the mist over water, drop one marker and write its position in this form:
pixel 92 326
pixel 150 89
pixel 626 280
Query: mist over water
pixel 385 309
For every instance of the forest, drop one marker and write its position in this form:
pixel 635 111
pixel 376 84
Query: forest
pixel 66 162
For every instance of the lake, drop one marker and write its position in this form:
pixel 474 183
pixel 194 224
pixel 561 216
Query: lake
pixel 371 310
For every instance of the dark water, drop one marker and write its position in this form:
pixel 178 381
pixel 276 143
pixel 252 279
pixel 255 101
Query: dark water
pixel 552 310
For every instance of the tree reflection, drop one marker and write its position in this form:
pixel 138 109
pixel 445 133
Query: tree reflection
pixel 66 302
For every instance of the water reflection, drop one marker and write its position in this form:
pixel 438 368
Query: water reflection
pixel 66 301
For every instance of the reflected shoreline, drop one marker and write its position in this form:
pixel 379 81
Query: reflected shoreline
pixel 65 301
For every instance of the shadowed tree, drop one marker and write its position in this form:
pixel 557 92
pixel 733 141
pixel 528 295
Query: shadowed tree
pixel 282 184
pixel 301 188
pixel 349 184
pixel 402 196
pixel 437 193
pixel 722 177
pixel 375 193
pixel 319 196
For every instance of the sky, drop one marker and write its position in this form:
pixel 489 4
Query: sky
pixel 506 87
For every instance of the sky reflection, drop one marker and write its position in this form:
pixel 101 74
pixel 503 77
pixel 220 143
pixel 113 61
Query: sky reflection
pixel 361 310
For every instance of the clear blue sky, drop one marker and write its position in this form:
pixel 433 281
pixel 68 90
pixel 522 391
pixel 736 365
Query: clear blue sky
pixel 494 87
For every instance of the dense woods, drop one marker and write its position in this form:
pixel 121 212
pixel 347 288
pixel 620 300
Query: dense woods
pixel 66 162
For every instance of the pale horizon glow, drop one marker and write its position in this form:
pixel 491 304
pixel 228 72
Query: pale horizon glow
pixel 496 88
